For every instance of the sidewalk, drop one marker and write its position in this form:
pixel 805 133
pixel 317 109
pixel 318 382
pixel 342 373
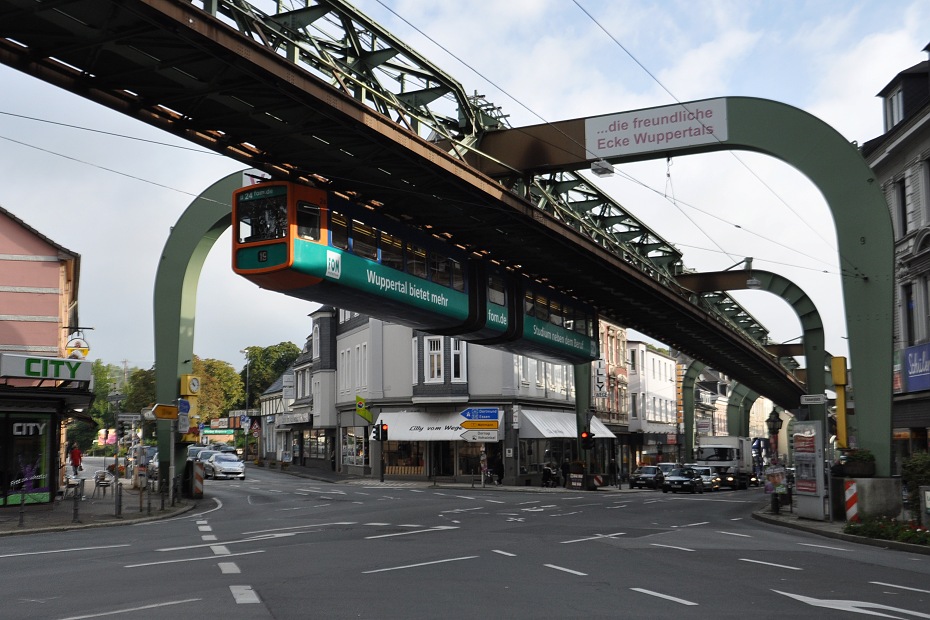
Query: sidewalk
pixel 91 511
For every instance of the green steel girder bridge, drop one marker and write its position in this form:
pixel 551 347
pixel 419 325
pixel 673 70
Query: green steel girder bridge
pixel 324 95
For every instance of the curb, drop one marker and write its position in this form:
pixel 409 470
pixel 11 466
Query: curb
pixel 112 522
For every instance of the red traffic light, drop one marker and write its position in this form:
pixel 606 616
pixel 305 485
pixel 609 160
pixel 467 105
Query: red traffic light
pixel 585 434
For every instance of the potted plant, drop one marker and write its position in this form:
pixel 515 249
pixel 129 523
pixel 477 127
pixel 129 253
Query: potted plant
pixel 859 463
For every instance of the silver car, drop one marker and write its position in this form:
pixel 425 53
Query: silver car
pixel 223 465
pixel 709 477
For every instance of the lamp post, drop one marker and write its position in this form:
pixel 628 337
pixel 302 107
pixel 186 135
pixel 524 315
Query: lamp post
pixel 248 365
pixel 773 423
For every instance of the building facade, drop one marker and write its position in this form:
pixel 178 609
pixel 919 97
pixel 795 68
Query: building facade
pixel 900 158
pixel 41 389
pixel 453 409
pixel 653 389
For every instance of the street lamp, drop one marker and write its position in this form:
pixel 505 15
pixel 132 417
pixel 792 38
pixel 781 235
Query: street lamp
pixel 773 422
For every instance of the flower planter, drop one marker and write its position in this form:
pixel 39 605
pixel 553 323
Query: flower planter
pixel 859 469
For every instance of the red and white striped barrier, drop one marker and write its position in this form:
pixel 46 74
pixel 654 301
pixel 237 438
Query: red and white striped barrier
pixel 598 481
pixel 852 501
pixel 198 480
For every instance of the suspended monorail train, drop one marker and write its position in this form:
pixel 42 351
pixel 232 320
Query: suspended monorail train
pixel 321 246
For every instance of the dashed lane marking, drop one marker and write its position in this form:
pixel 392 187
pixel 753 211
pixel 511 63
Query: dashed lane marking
pixel 229 568
pixel 244 595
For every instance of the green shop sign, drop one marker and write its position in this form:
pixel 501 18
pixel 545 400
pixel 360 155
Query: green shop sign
pixel 35 367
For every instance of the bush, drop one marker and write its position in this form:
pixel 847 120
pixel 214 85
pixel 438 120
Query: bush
pixel 859 455
pixel 915 473
pixel 884 528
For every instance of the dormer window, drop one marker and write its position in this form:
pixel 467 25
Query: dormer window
pixel 894 108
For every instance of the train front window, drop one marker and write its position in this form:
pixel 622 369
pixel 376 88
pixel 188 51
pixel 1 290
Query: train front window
pixel 261 219
pixel 542 308
pixel 555 312
pixel 308 221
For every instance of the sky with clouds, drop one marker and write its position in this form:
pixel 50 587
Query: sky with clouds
pixel 73 173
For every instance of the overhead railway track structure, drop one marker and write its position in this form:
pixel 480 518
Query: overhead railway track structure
pixel 325 97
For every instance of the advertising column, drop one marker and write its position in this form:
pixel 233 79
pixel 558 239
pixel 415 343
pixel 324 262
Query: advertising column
pixel 809 488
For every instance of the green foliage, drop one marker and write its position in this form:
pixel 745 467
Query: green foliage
pixel 915 473
pixel 860 455
pixel 884 528
pixel 140 392
pixel 221 391
pixel 264 366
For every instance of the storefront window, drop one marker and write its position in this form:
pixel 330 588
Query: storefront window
pixel 29 459
pixel 355 445
pixel 404 458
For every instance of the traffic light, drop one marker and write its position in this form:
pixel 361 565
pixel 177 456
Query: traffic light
pixel 587 440
pixel 120 430
pixel 383 431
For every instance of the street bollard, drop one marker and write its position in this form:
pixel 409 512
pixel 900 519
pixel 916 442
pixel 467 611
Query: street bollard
pixel 22 507
pixel 74 518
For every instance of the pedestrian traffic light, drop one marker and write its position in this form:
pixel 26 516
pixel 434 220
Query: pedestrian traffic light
pixel 587 440
pixel 383 431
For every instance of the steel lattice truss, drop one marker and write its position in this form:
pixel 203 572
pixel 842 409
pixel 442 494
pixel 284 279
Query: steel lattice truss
pixel 336 42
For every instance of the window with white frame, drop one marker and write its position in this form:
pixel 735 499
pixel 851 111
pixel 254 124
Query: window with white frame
pixel 894 108
pixel 413 357
pixel 432 365
pixel 459 362
pixel 315 346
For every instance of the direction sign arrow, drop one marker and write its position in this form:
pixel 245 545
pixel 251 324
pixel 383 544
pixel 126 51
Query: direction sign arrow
pixel 481 413
pixel 485 424
pixel 858 607
pixel 479 436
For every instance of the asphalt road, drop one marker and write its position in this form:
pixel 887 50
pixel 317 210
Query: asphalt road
pixel 276 546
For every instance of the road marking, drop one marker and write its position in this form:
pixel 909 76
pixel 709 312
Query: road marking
pixel 204 528
pixel 202 522
pixel 620 506
pixel 234 542
pixel 595 537
pixel 565 514
pixel 823 547
pixel 566 570
pixel 376 524
pixel 509 555
pixel 770 564
pixel 891 585
pixel 382 570
pixel 408 525
pixel 460 510
pixel 734 534
pixel 131 609
pixel 299 527
pixel 438 528
pixel 672 547
pixel 229 568
pixel 244 595
pixel 692 524
pixel 219 550
pixel 208 557
pixel 665 596
pixel 494 501
pixel 860 607
pixel 208 537
pixel 525 503
pixel 516 519
pixel 16 555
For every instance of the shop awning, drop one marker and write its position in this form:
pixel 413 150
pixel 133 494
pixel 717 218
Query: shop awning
pixel 556 424
pixel 420 426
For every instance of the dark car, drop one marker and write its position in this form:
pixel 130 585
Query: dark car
pixel 683 479
pixel 647 476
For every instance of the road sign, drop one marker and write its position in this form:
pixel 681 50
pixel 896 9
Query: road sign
pixel 813 399
pixel 482 424
pixel 184 406
pixel 184 420
pixel 165 412
pixel 481 413
pixel 244 421
pixel 129 417
pixel 479 436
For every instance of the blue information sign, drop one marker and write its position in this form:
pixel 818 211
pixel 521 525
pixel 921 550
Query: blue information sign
pixel 184 406
pixel 480 413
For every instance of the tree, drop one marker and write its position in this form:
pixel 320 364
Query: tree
pixel 222 388
pixel 264 366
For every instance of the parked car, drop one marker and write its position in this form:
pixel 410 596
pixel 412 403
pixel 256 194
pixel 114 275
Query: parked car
pixel 647 476
pixel 193 450
pixel 683 479
pixel 223 465
pixel 204 455
pixel 709 478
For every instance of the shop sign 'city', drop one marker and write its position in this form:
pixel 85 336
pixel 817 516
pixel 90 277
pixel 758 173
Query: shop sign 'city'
pixel 44 368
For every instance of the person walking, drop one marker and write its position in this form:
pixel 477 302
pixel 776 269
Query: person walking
pixel 566 468
pixel 75 457
pixel 612 473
